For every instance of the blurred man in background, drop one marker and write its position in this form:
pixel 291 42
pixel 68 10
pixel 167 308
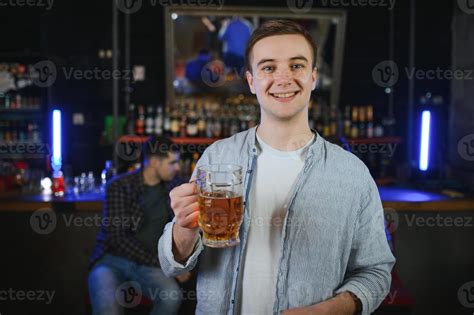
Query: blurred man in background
pixel 137 207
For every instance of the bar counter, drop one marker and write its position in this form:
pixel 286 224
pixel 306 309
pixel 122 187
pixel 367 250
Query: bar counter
pixel 402 199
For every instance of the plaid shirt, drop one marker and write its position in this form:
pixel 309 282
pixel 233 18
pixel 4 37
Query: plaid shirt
pixel 122 217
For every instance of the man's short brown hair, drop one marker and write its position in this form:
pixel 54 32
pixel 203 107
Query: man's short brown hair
pixel 277 27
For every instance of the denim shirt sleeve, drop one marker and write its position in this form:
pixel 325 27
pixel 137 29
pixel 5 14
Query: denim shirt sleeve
pixel 370 263
pixel 165 245
pixel 169 265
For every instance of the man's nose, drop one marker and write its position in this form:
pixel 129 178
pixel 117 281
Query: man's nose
pixel 283 77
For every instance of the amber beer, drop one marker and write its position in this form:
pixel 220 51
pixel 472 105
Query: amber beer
pixel 220 204
pixel 220 215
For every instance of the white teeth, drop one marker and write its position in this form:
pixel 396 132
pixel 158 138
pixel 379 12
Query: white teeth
pixel 284 95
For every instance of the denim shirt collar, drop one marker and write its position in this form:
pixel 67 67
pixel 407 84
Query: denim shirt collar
pixel 313 148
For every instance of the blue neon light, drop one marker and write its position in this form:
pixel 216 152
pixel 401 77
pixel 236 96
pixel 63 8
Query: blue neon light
pixel 56 160
pixel 425 140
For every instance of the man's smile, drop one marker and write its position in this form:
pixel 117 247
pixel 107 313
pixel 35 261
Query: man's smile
pixel 285 96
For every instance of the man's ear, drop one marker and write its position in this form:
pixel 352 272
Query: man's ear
pixel 249 78
pixel 314 78
pixel 153 161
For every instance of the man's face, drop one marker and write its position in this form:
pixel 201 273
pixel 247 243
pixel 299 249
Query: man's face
pixel 166 168
pixel 282 75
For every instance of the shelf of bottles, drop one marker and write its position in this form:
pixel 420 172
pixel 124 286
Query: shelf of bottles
pixel 20 105
pixel 356 124
pixel 362 131
pixel 192 121
pixel 22 119
pixel 203 120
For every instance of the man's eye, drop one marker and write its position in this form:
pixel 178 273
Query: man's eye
pixel 297 66
pixel 267 68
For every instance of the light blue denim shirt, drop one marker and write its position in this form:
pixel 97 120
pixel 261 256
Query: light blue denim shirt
pixel 333 237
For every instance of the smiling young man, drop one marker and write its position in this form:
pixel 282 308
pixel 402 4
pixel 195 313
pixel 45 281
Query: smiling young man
pixel 312 239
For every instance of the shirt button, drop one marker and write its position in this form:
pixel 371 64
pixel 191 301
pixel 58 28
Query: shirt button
pixel 232 301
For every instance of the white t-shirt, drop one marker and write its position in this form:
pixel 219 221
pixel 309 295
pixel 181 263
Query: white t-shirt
pixel 274 177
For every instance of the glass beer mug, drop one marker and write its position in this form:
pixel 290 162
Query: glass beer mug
pixel 221 210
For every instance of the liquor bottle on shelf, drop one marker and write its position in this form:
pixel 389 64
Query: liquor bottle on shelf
pixel 22 132
pixel 201 122
pixel 8 131
pixel 158 123
pixel 192 123
pixel 362 126
pixel 30 131
pixel 378 128
pixel 347 121
pixel 370 121
pixel 217 127
pixel 174 126
pixel 182 126
pixel 209 125
pixel 149 120
pixel 140 121
pixel 167 122
pixel 333 121
pixel 253 118
pixel 234 124
pixel 224 117
pixel 354 123
pixel 36 133
pixel 14 131
pixel 242 118
pixel 326 124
